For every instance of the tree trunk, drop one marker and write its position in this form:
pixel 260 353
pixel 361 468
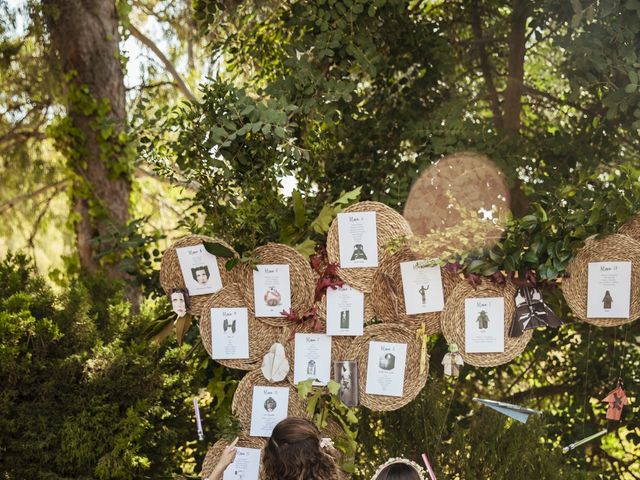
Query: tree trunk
pixel 84 34
pixel 515 67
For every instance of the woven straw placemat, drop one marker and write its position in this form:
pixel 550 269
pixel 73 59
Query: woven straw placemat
pixel 215 451
pixel 453 322
pixel 171 275
pixel 261 335
pixel 413 380
pixel 389 224
pixel 301 276
pixel 388 296
pixel 242 399
pixel 631 228
pixel 611 248
pixel 470 178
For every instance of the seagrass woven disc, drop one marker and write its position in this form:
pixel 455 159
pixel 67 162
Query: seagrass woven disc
pixel 453 323
pixel 301 276
pixel 389 224
pixel 470 179
pixel 611 248
pixel 340 345
pixel 414 381
pixel 215 451
pixel 631 228
pixel 388 296
pixel 243 398
pixel 261 335
pixel 171 275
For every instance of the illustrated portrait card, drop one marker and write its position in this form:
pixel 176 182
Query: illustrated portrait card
pixel 609 290
pixel 422 287
pixel 271 290
pixel 385 369
pixel 345 311
pixel 269 406
pixel 199 270
pixel 484 325
pixel 358 237
pixel 229 333
pixel 245 465
pixel 312 358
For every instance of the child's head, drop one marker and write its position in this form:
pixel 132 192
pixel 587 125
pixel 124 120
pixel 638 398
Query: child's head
pixel 399 469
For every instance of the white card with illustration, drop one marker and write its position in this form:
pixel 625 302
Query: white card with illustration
pixel 199 270
pixel 422 287
pixel 484 325
pixel 245 465
pixel 609 290
pixel 312 358
pixel 358 239
pixel 345 311
pixel 229 333
pixel 385 368
pixel 271 290
pixel 268 407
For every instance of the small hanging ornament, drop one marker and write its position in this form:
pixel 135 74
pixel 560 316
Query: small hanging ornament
pixel 421 334
pixel 531 312
pixel 616 400
pixel 452 361
pixel 275 365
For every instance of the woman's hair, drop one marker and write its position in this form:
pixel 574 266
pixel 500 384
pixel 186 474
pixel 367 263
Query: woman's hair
pixel 293 453
pixel 398 471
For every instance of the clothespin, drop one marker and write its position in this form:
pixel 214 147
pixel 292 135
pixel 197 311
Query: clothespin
pixel 421 333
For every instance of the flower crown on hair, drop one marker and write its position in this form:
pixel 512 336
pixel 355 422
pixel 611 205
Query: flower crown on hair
pixel 421 471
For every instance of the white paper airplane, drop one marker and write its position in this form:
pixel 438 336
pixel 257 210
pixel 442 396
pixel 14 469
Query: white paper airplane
pixel 516 412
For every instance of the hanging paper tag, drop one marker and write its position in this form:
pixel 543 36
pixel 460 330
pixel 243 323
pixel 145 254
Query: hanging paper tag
pixel 196 407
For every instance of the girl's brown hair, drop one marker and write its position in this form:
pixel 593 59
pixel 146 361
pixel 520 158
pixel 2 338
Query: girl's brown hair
pixel 398 471
pixel 293 453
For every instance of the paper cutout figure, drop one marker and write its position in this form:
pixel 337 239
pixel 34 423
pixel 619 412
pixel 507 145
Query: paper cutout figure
pixel 270 404
pixel 227 325
pixel 272 297
pixel 521 414
pixel 583 441
pixel 452 361
pixel 423 293
pixel 344 319
pixel 607 300
pixel 200 274
pixel 387 361
pixel 616 400
pixel 483 320
pixel 180 301
pixel 358 252
pixel 531 312
pixel 275 365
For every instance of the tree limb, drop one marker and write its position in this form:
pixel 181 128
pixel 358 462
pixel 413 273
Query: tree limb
pixel 515 66
pixel 9 204
pixel 485 66
pixel 147 42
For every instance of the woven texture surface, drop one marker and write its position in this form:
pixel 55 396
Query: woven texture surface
pixel 389 224
pixel 215 451
pixel 612 248
pixel 453 323
pixel 261 335
pixel 388 297
pixel 631 228
pixel 302 279
pixel 413 380
pixel 171 275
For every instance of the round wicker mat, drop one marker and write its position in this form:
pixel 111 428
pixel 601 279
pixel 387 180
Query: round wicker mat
pixel 453 323
pixel 171 275
pixel 215 451
pixel 389 224
pixel 388 296
pixel 611 248
pixel 242 399
pixel 413 380
pixel 261 335
pixel 302 279
pixel 631 228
